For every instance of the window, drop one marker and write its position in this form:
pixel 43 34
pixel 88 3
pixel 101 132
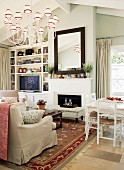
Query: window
pixel 117 71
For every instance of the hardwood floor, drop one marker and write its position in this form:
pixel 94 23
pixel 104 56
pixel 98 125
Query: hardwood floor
pixel 92 163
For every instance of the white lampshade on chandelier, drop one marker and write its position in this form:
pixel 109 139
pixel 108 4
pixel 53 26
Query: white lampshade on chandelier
pixel 34 31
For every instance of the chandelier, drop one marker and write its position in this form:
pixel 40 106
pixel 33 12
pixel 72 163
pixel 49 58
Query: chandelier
pixel 34 32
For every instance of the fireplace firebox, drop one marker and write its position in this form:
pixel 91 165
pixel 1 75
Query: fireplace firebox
pixel 69 101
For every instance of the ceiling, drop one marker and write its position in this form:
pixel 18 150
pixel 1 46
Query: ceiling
pixel 107 7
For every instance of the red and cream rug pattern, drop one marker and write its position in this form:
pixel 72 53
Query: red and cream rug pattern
pixel 71 139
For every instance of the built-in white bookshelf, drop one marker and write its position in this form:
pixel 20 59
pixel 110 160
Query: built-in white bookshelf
pixel 29 61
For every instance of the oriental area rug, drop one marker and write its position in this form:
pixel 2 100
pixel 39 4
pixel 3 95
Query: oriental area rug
pixel 71 141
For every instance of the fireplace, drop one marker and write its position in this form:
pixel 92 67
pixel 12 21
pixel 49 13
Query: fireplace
pixel 73 86
pixel 69 101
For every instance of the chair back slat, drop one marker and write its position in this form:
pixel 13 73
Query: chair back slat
pixel 90 98
pixel 106 107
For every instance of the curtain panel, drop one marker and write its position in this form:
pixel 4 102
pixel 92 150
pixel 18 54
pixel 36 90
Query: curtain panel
pixel 4 69
pixel 103 67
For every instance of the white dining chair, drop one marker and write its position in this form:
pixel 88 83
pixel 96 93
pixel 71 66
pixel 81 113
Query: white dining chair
pixel 108 116
pixel 89 98
pixel 90 115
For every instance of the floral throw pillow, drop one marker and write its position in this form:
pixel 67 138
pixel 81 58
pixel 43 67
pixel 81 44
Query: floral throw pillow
pixel 32 116
pixel 10 99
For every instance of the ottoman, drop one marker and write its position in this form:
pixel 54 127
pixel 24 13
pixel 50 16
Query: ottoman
pixel 77 112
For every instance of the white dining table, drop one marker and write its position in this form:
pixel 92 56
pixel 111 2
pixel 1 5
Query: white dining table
pixel 92 106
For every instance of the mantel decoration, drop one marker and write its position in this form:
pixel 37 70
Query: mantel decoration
pixel 50 71
pixel 31 33
pixel 87 68
pixel 41 104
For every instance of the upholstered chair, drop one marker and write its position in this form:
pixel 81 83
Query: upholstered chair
pixel 28 140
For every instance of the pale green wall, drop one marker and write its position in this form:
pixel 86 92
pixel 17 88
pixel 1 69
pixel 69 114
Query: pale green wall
pixel 110 26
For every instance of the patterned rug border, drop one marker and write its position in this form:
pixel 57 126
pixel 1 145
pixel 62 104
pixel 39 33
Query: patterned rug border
pixel 79 155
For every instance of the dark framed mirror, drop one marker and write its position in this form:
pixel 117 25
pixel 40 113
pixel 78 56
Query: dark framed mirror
pixel 69 51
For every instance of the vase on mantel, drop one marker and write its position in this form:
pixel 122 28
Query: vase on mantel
pixel 87 75
pixel 50 76
pixel 41 107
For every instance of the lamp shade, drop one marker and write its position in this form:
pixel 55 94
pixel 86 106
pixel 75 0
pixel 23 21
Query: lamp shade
pixel 18 16
pixel 56 20
pixel 27 9
pixel 7 22
pixel 8 13
pixel 13 28
pixel 48 12
pixel 51 21
pixel 38 16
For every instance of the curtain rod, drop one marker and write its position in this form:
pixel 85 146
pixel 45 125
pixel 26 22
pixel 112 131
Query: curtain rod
pixel 110 37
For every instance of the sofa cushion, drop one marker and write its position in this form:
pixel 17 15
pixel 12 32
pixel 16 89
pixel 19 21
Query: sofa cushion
pixel 32 116
pixel 10 99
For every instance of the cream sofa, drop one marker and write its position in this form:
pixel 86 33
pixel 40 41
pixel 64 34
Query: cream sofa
pixel 28 140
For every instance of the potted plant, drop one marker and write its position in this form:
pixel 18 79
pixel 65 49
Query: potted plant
pixel 87 68
pixel 41 104
pixel 50 70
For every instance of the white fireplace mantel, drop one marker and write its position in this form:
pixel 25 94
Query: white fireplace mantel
pixel 73 86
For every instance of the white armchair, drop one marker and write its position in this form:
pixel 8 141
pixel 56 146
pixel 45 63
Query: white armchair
pixel 28 140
